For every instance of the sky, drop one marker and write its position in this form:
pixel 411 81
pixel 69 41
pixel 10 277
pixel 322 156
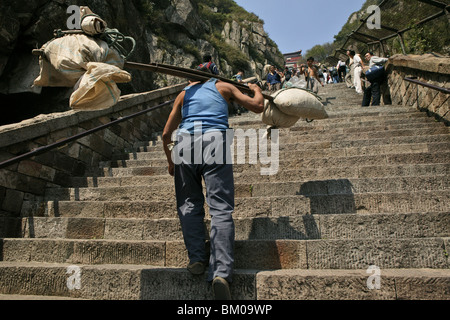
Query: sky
pixel 301 24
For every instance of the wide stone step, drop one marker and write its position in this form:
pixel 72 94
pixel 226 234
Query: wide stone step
pixel 337 114
pixel 401 284
pixel 249 254
pixel 348 128
pixel 157 150
pixel 338 122
pixel 302 227
pixel 291 150
pixel 134 282
pixel 252 207
pixel 164 191
pixel 326 137
pixel 277 163
pixel 282 176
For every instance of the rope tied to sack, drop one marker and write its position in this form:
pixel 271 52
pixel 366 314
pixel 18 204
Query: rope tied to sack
pixel 94 26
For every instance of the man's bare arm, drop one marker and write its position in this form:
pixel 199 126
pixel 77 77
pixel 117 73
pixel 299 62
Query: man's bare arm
pixel 255 104
pixel 172 124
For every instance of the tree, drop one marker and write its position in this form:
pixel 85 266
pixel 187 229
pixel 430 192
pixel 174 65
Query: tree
pixel 320 52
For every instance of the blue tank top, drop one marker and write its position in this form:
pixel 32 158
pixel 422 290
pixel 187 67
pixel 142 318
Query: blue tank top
pixel 203 103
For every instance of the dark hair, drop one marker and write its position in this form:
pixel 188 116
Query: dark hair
pixel 207 57
pixel 310 59
pixel 352 52
pixel 370 52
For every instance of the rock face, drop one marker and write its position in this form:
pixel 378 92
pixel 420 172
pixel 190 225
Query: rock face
pixel 180 37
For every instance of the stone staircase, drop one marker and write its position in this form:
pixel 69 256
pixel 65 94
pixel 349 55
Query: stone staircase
pixel 362 192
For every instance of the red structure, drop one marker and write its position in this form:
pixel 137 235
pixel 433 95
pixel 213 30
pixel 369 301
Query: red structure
pixel 293 60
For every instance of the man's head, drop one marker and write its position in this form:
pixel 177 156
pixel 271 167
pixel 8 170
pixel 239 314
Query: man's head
pixel 207 58
pixel 310 61
pixel 351 53
pixel 368 56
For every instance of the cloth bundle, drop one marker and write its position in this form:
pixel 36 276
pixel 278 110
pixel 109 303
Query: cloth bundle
pixel 84 62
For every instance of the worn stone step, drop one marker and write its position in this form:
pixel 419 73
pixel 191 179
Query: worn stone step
pixel 117 282
pixel 277 163
pixel 133 282
pixel 157 150
pixel 400 284
pixel 281 176
pixel 338 122
pixel 326 137
pixel 291 150
pixel 251 207
pixel 347 127
pixel 351 119
pixel 249 254
pixel 164 191
pixel 302 227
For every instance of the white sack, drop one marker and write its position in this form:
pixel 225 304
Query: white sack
pixel 299 103
pixel 97 88
pixel 66 59
pixel 272 116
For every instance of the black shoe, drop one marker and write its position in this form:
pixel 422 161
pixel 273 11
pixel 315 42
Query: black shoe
pixel 197 268
pixel 221 289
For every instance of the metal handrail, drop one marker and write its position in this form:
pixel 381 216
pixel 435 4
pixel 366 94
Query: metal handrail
pixel 66 141
pixel 424 84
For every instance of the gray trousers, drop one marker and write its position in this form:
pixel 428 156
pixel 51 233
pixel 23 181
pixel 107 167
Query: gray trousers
pixel 219 184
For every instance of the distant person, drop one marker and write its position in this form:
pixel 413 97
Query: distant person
pixel 373 92
pixel 358 67
pixel 334 75
pixel 274 79
pixel 312 76
pixel 208 63
pixel 342 70
pixel 238 77
pixel 287 74
pixel 349 81
pixel 235 108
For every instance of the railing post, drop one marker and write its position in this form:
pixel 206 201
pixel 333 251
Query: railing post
pixel 402 43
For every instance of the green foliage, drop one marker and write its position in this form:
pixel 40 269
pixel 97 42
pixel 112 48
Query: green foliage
pixel 228 9
pixel 232 55
pixel 216 13
pixel 191 49
pixel 320 52
pixel 399 14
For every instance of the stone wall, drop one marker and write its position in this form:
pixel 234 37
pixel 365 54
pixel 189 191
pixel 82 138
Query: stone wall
pixel 27 180
pixel 426 68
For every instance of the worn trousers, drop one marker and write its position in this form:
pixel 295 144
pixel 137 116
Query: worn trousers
pixel 357 79
pixel 219 185
pixel 372 93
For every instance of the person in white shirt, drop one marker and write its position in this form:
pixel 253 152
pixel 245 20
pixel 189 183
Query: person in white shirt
pixel 342 70
pixel 358 65
pixel 349 77
pixel 374 60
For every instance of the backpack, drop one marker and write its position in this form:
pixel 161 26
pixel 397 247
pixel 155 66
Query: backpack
pixel 207 65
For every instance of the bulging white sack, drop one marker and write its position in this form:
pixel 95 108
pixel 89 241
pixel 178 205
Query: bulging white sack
pixel 97 88
pixel 299 103
pixel 272 116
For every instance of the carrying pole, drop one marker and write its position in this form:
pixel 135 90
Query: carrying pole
pixel 189 74
pixel 178 72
